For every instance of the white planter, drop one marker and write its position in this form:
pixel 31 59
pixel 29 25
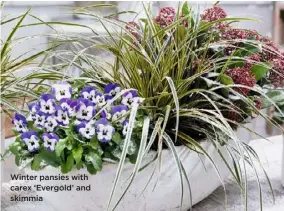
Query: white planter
pixel 166 196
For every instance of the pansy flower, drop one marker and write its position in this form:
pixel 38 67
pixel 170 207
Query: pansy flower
pixel 72 110
pixel 62 116
pixel 20 123
pixel 49 141
pixel 61 90
pixel 50 123
pixel 112 90
pixel 131 98
pixel 100 100
pixel 118 113
pixel 65 103
pixel 105 114
pixel 89 92
pixel 40 119
pixel 34 108
pixel 104 129
pixel 86 129
pixel 31 140
pixel 47 103
pixel 85 109
pixel 125 127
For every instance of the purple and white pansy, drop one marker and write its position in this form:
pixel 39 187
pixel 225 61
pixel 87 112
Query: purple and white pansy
pixel 105 130
pixel 31 140
pixel 34 108
pixel 89 92
pixel 62 116
pixel 50 123
pixel 85 109
pixel 59 111
pixel 119 113
pixel 61 90
pixel 49 141
pixel 40 119
pixel 112 89
pixel 20 123
pixel 99 100
pixel 47 104
pixel 86 129
pixel 130 98
pixel 65 103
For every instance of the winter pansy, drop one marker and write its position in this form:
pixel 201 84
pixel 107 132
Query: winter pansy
pixel 65 103
pixel 131 98
pixel 72 110
pixel 62 90
pixel 89 92
pixel 47 103
pixel 100 100
pixel 105 130
pixel 105 114
pixel 125 127
pixel 62 116
pixel 112 89
pixel 34 107
pixel 40 119
pixel 119 113
pixel 20 123
pixel 50 123
pixel 85 109
pixel 49 141
pixel 86 123
pixel 31 140
pixel 127 98
pixel 86 129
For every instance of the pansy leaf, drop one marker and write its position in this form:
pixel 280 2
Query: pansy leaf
pixel 79 165
pixel 60 146
pixel 15 148
pixel 17 160
pixel 35 165
pixel 259 70
pixel 15 131
pixel 95 159
pixel 116 138
pixel 50 158
pixel 94 143
pixel 70 162
pixel 77 154
pixel 91 169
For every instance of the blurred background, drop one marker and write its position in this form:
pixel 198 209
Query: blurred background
pixel 269 16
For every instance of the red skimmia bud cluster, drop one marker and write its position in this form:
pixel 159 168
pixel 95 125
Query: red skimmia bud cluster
pixel 166 16
pixel 242 76
pixel 252 59
pixel 277 73
pixel 234 34
pixel 213 14
pixel 132 27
